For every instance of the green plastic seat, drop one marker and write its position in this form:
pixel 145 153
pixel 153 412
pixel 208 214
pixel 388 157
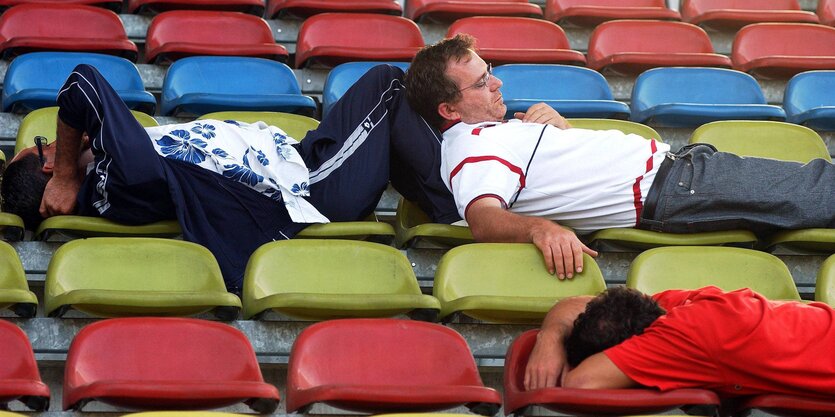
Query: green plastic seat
pixel 692 267
pixel 117 277
pixel 413 227
pixel 14 291
pixel 11 227
pixel 611 124
pixel 296 126
pixel 360 230
pixel 825 282
pixel 776 140
pixel 506 283
pixel 324 279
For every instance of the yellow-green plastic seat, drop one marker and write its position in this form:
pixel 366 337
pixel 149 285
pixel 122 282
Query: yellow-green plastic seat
pixel 506 283
pixel 370 230
pixel 296 126
pixel 184 414
pixel 11 227
pixel 14 291
pixel 776 140
pixel 11 414
pixel 692 267
pixel 116 277
pixel 631 238
pixel 413 227
pixel 825 282
pixel 312 279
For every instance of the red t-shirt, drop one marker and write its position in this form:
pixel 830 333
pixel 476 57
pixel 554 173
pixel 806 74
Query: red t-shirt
pixel 735 343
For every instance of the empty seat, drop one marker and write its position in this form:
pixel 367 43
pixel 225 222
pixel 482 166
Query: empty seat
pixel 692 267
pixel 343 76
pixel 295 125
pixel 164 363
pixel 112 277
pixel 572 91
pixel 359 279
pixel 517 401
pixel 451 10
pixel 505 40
pixel 734 14
pixel 384 365
pixel 595 12
pixel 303 9
pixel 180 33
pixel 787 405
pixel 32 81
pixel 686 97
pixel 253 7
pixel 413 227
pixel 11 226
pixel 634 46
pixel 205 84
pixel 506 283
pixel 825 282
pixel 781 50
pixel 19 377
pixel 826 12
pixel 55 27
pixel 14 290
pixel 808 100
pixel 331 39
pixel 113 5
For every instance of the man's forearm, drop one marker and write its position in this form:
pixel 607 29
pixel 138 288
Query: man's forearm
pixel 68 148
pixel 495 224
pixel 559 322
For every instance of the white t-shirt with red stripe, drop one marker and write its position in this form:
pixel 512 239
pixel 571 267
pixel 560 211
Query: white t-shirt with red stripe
pixel 585 179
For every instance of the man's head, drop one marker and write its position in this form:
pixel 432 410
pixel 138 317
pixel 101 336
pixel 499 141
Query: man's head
pixel 24 181
pixel 609 319
pixel 449 81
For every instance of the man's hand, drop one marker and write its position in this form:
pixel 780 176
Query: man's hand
pixel 546 362
pixel 59 197
pixel 543 113
pixel 561 249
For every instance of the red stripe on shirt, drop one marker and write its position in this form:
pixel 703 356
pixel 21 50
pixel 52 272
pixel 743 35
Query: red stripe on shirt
pixel 474 159
pixel 636 187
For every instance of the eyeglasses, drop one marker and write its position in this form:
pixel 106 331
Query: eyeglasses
pixel 40 142
pixel 484 80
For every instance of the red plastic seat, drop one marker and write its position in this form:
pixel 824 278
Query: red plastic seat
pixel 634 46
pixel 113 5
pixel 180 33
pixel 164 363
pixel 782 50
pixel 450 10
pixel 306 8
pixel 19 377
pixel 253 7
pixel 385 365
pixel 789 405
pixel 55 27
pixel 505 40
pixel 331 39
pixel 592 401
pixel 734 14
pixel 826 12
pixel 595 12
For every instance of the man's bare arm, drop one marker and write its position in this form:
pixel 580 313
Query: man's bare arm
pixel 597 372
pixel 59 197
pixel 543 113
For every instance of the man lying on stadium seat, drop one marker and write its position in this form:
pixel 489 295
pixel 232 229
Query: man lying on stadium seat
pixel 512 181
pixel 735 343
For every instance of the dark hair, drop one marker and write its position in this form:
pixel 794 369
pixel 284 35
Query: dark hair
pixel 610 318
pixel 22 189
pixel 427 85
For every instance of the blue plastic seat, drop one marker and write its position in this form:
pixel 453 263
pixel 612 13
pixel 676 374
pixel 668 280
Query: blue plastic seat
pixel 204 84
pixel 809 100
pixel 572 91
pixel 343 76
pixel 32 80
pixel 689 97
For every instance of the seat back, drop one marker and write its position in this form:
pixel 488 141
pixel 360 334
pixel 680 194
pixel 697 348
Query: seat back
pixel 782 39
pixel 764 139
pixel 18 362
pixel 58 21
pixel 207 28
pixel 826 11
pixel 343 76
pixel 807 91
pixel 553 82
pixel 283 9
pixel 620 36
pixel 511 32
pixel 694 85
pixel 692 9
pixel 515 362
pixel 825 282
pixel 295 125
pixel 691 267
pixel 14 289
pixel 624 126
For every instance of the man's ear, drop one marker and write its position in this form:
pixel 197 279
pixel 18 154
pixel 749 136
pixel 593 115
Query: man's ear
pixel 448 112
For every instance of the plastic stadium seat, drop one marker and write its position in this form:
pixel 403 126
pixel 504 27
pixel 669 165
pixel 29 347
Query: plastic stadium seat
pixel 11 227
pixel 385 365
pixel 826 12
pixel 205 84
pixel 180 33
pixel 32 81
pixel 622 125
pixel 595 12
pixel 734 14
pixel 506 40
pixel 14 290
pixel 506 283
pixel 451 10
pixel 781 50
pixel 807 100
pixel 164 363
pixel 775 140
pixel 689 97
pixel 295 125
pixel 343 76
pixel 630 401
pixel 413 227
pixel 19 377
pixel 112 5
pixel 183 414
pixel 331 39
pixel 692 267
pixel 634 46
pixel 370 230
pixel 303 9
pixel 114 277
pixel 253 7
pixel 825 282
pixel 787 405
pixel 572 91
pixel 359 279
pixel 54 27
